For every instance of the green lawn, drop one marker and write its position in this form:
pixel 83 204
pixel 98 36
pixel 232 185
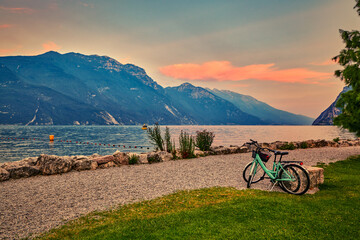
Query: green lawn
pixel 227 213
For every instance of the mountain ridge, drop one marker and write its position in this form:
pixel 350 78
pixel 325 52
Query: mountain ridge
pixel 113 93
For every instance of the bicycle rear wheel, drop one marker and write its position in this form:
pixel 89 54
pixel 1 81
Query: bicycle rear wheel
pixel 260 174
pixel 301 180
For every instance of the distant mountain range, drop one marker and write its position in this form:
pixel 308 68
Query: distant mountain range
pixel 327 116
pixel 72 88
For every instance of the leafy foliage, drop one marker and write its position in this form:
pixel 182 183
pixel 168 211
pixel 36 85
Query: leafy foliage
pixel 304 145
pixel 336 139
pixel 134 159
pixel 187 145
pixel 204 140
pixel 168 144
pixel 287 146
pixel 349 58
pixel 155 137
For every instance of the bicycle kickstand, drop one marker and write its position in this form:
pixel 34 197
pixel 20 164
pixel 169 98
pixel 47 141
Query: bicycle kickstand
pixel 272 185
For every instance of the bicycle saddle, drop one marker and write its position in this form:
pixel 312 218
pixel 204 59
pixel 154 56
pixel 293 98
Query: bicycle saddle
pixel 280 153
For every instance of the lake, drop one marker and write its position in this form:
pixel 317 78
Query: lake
pixel 18 142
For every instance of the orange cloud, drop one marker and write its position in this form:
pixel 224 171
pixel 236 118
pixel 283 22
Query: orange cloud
pixel 4 52
pixel 225 71
pixel 324 63
pixel 16 10
pixel 5 26
pixel 50 46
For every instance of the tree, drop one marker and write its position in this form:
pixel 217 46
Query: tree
pixel 349 58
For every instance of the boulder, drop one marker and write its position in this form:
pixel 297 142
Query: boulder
pixel 221 150
pixel 199 153
pixel 19 169
pixel 121 158
pixel 104 159
pixel 84 164
pixel 165 156
pixel 108 165
pixel 51 164
pixel 316 175
pixel 4 175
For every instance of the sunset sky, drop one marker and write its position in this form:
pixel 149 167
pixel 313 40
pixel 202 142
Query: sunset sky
pixel 277 51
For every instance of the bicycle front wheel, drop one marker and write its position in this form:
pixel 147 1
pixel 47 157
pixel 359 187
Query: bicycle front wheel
pixel 252 173
pixel 260 174
pixel 300 180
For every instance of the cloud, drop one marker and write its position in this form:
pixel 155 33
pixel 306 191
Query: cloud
pixel 225 71
pixel 4 52
pixel 50 46
pixel 16 10
pixel 324 63
pixel 5 26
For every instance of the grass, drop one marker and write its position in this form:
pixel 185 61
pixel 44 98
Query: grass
pixel 227 213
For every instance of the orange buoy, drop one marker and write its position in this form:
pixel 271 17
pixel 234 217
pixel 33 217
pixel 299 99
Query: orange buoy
pixel 51 138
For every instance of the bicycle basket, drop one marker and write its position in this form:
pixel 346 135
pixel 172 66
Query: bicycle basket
pixel 265 156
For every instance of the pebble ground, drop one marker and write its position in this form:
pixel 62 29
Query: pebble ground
pixel 29 206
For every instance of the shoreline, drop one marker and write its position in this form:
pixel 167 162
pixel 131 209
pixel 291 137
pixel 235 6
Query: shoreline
pixel 37 204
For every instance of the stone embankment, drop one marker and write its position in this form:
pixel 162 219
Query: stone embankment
pixel 51 164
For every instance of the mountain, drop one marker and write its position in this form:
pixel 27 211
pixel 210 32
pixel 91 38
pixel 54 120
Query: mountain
pixel 125 92
pixel 261 110
pixel 327 116
pixel 28 104
pixel 207 108
pixel 73 88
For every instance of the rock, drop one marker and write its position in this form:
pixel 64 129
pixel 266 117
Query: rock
pixel 165 156
pixel 143 158
pixel 108 165
pixel 321 143
pixel 316 175
pixel 4 175
pixel 20 169
pixel 95 155
pixel 51 164
pixel 199 153
pixel 121 158
pixel 221 150
pixel 104 159
pixel 243 149
pixel 85 164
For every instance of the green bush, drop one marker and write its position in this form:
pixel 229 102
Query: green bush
pixel 304 145
pixel 287 146
pixel 204 140
pixel 154 159
pixel 155 137
pixel 336 139
pixel 134 159
pixel 168 145
pixel 187 145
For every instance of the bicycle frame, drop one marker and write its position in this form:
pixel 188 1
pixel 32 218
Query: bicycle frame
pixel 273 174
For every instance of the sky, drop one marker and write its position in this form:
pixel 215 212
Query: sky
pixel 278 51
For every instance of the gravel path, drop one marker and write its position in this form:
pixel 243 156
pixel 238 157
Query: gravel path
pixel 36 204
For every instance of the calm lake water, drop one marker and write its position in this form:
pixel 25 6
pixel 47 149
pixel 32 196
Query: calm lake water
pixel 17 142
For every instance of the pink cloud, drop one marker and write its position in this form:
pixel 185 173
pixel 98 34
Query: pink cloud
pixel 50 46
pixel 5 26
pixel 4 52
pixel 225 71
pixel 324 63
pixel 16 10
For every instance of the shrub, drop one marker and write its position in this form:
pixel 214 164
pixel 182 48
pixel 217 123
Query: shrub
pixel 336 139
pixel 204 140
pixel 304 145
pixel 187 145
pixel 134 159
pixel 287 146
pixel 168 145
pixel 155 137
pixel 154 159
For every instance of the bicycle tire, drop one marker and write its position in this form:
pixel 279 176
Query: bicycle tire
pixel 302 180
pixel 251 175
pixel 258 170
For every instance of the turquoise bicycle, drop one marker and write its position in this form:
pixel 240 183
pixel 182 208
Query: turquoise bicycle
pixel 290 175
